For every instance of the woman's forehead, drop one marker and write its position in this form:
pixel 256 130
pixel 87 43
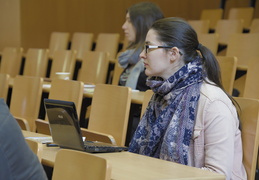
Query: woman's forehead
pixel 127 15
pixel 151 36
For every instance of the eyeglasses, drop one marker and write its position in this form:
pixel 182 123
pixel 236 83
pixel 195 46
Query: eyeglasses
pixel 146 47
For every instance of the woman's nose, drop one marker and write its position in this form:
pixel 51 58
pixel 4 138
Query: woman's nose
pixel 142 54
pixel 124 25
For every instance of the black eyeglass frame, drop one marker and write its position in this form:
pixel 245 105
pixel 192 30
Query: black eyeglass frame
pixel 146 47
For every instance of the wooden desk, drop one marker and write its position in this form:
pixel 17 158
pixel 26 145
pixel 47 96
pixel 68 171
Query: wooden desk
pixel 128 166
pixel 137 96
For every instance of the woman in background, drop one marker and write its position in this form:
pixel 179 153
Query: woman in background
pixel 190 119
pixel 139 18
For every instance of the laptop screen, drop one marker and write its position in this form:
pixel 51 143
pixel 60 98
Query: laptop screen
pixel 64 124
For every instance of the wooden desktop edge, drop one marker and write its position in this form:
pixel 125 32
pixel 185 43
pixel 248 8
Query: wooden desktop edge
pixel 131 162
pixel 137 96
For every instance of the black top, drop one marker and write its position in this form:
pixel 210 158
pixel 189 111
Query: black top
pixel 141 83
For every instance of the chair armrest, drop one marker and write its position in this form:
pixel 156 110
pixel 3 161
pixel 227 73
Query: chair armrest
pixel 42 127
pixel 46 79
pixel 112 61
pixel 23 123
pixel 97 136
pixel 36 147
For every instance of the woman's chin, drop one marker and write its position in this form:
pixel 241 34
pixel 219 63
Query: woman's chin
pixel 147 72
pixel 129 39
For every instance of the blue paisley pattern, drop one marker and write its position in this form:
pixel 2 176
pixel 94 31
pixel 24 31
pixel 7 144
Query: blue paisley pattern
pixel 166 128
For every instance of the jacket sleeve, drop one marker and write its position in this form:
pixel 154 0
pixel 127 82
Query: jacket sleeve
pixel 220 126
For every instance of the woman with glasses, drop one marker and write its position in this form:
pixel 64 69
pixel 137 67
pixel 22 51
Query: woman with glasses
pixel 190 119
pixel 139 18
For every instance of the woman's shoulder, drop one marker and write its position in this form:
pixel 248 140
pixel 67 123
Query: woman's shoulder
pixel 212 92
pixel 212 95
pixel 214 102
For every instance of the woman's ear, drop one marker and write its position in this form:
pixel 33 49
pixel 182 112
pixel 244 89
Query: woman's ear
pixel 174 53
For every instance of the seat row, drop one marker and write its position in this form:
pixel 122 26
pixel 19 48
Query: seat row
pixel 212 16
pixel 228 65
pixel 110 105
pixel 83 42
pixel 224 28
pixel 244 48
pixel 242 45
pixel 239 20
pixel 13 60
pixel 94 64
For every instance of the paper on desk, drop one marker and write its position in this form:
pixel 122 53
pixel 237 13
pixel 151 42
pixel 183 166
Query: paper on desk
pixel 46 85
pixel 89 88
pixel 42 140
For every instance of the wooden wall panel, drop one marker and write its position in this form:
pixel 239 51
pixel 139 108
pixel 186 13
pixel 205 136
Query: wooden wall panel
pixel 256 14
pixel 235 3
pixel 38 18
pixel 10 24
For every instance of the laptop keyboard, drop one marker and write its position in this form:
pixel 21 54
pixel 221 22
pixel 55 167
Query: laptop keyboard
pixel 96 143
pixel 95 146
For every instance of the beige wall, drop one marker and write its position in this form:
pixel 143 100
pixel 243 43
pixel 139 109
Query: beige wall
pixel 235 3
pixel 256 15
pixel 10 23
pixel 38 18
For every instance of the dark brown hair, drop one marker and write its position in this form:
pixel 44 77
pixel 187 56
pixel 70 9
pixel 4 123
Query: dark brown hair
pixel 142 16
pixel 175 32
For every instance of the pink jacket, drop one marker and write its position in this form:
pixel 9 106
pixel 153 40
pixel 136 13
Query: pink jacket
pixel 216 144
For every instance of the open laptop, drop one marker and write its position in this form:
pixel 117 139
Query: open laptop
pixel 65 129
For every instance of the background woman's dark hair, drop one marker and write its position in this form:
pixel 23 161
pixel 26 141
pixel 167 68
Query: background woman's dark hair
pixel 142 16
pixel 177 32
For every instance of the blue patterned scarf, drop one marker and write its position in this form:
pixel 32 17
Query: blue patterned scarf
pixel 166 128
